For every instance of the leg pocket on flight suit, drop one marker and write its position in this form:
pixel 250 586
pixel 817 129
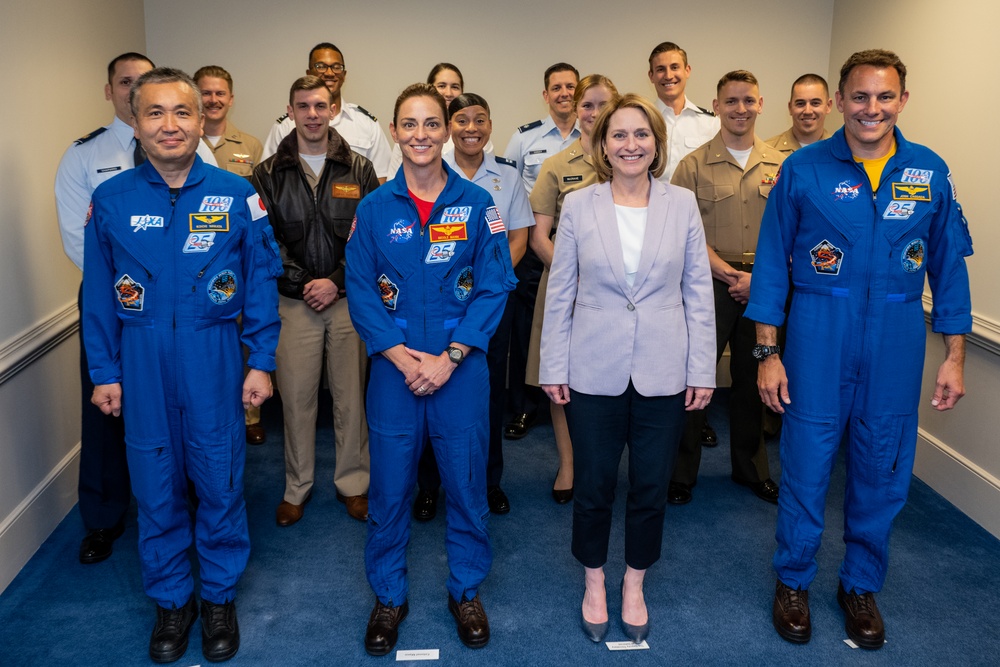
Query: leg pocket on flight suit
pixel 883 447
pixel 392 472
pixel 212 463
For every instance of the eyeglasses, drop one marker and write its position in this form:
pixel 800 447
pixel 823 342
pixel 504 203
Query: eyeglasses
pixel 336 67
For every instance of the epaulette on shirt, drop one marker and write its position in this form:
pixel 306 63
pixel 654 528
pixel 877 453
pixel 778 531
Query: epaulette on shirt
pixel 281 118
pixel 705 111
pixel 529 126
pixel 366 112
pixel 88 137
pixel 503 160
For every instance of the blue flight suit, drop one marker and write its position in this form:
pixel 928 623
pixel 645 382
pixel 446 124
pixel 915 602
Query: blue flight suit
pixel 410 284
pixel 854 352
pixel 164 282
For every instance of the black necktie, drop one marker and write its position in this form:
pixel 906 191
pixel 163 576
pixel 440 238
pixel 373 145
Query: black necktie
pixel 138 153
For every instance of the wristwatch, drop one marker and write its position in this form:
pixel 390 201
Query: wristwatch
pixel 455 354
pixel 762 352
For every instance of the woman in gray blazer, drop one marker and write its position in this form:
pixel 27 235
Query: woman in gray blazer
pixel 628 345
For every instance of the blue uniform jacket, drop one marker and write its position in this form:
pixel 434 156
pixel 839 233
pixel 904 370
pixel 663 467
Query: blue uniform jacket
pixel 188 265
pixel 428 286
pixel 872 249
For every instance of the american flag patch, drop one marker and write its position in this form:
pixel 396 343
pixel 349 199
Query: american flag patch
pixel 494 221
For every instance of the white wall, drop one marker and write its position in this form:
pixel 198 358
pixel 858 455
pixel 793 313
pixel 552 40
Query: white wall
pixel 54 55
pixel 950 52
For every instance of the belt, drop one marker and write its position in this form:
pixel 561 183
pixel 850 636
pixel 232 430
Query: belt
pixel 740 262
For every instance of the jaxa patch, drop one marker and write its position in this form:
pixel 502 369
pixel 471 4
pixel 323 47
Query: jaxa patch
pixel 215 204
pixel 346 191
pixel 442 232
pixel 845 191
pixel 130 293
pixel 494 221
pixel 199 242
pixel 440 253
pixel 256 205
pixel 455 214
pixel 917 176
pixel 388 291
pixel 463 284
pixel 911 192
pixel 222 287
pixel 207 222
pixel 913 255
pixel 899 210
pixel 826 258
pixel 400 232
pixel 143 222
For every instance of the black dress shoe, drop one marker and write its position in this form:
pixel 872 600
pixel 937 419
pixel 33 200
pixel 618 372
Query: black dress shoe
pixel 497 500
pixel 790 614
pixel 425 507
pixel 862 619
pixel 256 435
pixel 708 436
pixel 766 490
pixel 383 627
pixel 97 544
pixel 220 632
pixel 562 496
pixel 518 427
pixel 678 494
pixel 169 640
pixel 595 631
pixel 473 626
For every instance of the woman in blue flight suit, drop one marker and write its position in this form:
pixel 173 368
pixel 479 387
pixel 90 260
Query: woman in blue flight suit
pixel 428 271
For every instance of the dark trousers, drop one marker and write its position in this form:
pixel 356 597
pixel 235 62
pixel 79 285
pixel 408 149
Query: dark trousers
pixel 524 398
pixel 428 477
pixel 746 411
pixel 103 488
pixel 600 427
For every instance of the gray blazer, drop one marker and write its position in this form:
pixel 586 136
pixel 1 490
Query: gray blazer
pixel 598 332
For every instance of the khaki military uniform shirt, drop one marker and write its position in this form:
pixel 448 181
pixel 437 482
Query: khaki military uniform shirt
pixel 237 151
pixel 561 174
pixel 787 143
pixel 731 199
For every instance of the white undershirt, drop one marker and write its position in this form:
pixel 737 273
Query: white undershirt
pixel 741 156
pixel 315 162
pixel 213 141
pixel 631 230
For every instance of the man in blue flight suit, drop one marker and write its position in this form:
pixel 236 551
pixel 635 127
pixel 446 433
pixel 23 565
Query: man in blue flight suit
pixel 175 250
pixel 425 291
pixel 856 223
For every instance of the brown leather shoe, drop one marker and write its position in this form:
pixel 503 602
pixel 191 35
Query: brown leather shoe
pixel 287 513
pixel 862 619
pixel 383 627
pixel 256 434
pixel 791 614
pixel 357 506
pixel 473 626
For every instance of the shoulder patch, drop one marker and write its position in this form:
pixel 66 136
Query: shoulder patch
pixel 84 139
pixel 366 112
pixel 529 126
pixel 705 111
pixel 503 160
pixel 281 118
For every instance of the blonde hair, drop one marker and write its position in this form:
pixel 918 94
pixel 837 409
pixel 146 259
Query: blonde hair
pixel 630 101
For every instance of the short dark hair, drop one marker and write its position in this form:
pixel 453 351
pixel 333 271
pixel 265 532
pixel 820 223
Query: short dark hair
pixel 162 75
pixel 307 82
pixel 325 45
pixel 741 75
pixel 440 67
pixel 560 67
pixel 467 100
pixel 216 72
pixel 810 78
pixel 125 57
pixel 878 58
pixel 666 47
pixel 419 90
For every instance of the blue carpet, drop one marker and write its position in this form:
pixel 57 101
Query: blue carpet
pixel 304 599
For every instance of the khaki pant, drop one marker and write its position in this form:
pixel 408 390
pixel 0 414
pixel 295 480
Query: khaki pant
pixel 305 334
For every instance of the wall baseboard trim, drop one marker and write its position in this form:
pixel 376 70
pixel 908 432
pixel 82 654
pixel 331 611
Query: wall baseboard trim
pixel 34 343
pixel 985 332
pixel 35 517
pixel 963 483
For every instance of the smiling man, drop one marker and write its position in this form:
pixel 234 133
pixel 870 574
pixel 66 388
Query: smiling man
pixel 234 150
pixel 732 176
pixel 688 125
pixel 809 105
pixel 857 224
pixel 355 124
pixel 175 252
